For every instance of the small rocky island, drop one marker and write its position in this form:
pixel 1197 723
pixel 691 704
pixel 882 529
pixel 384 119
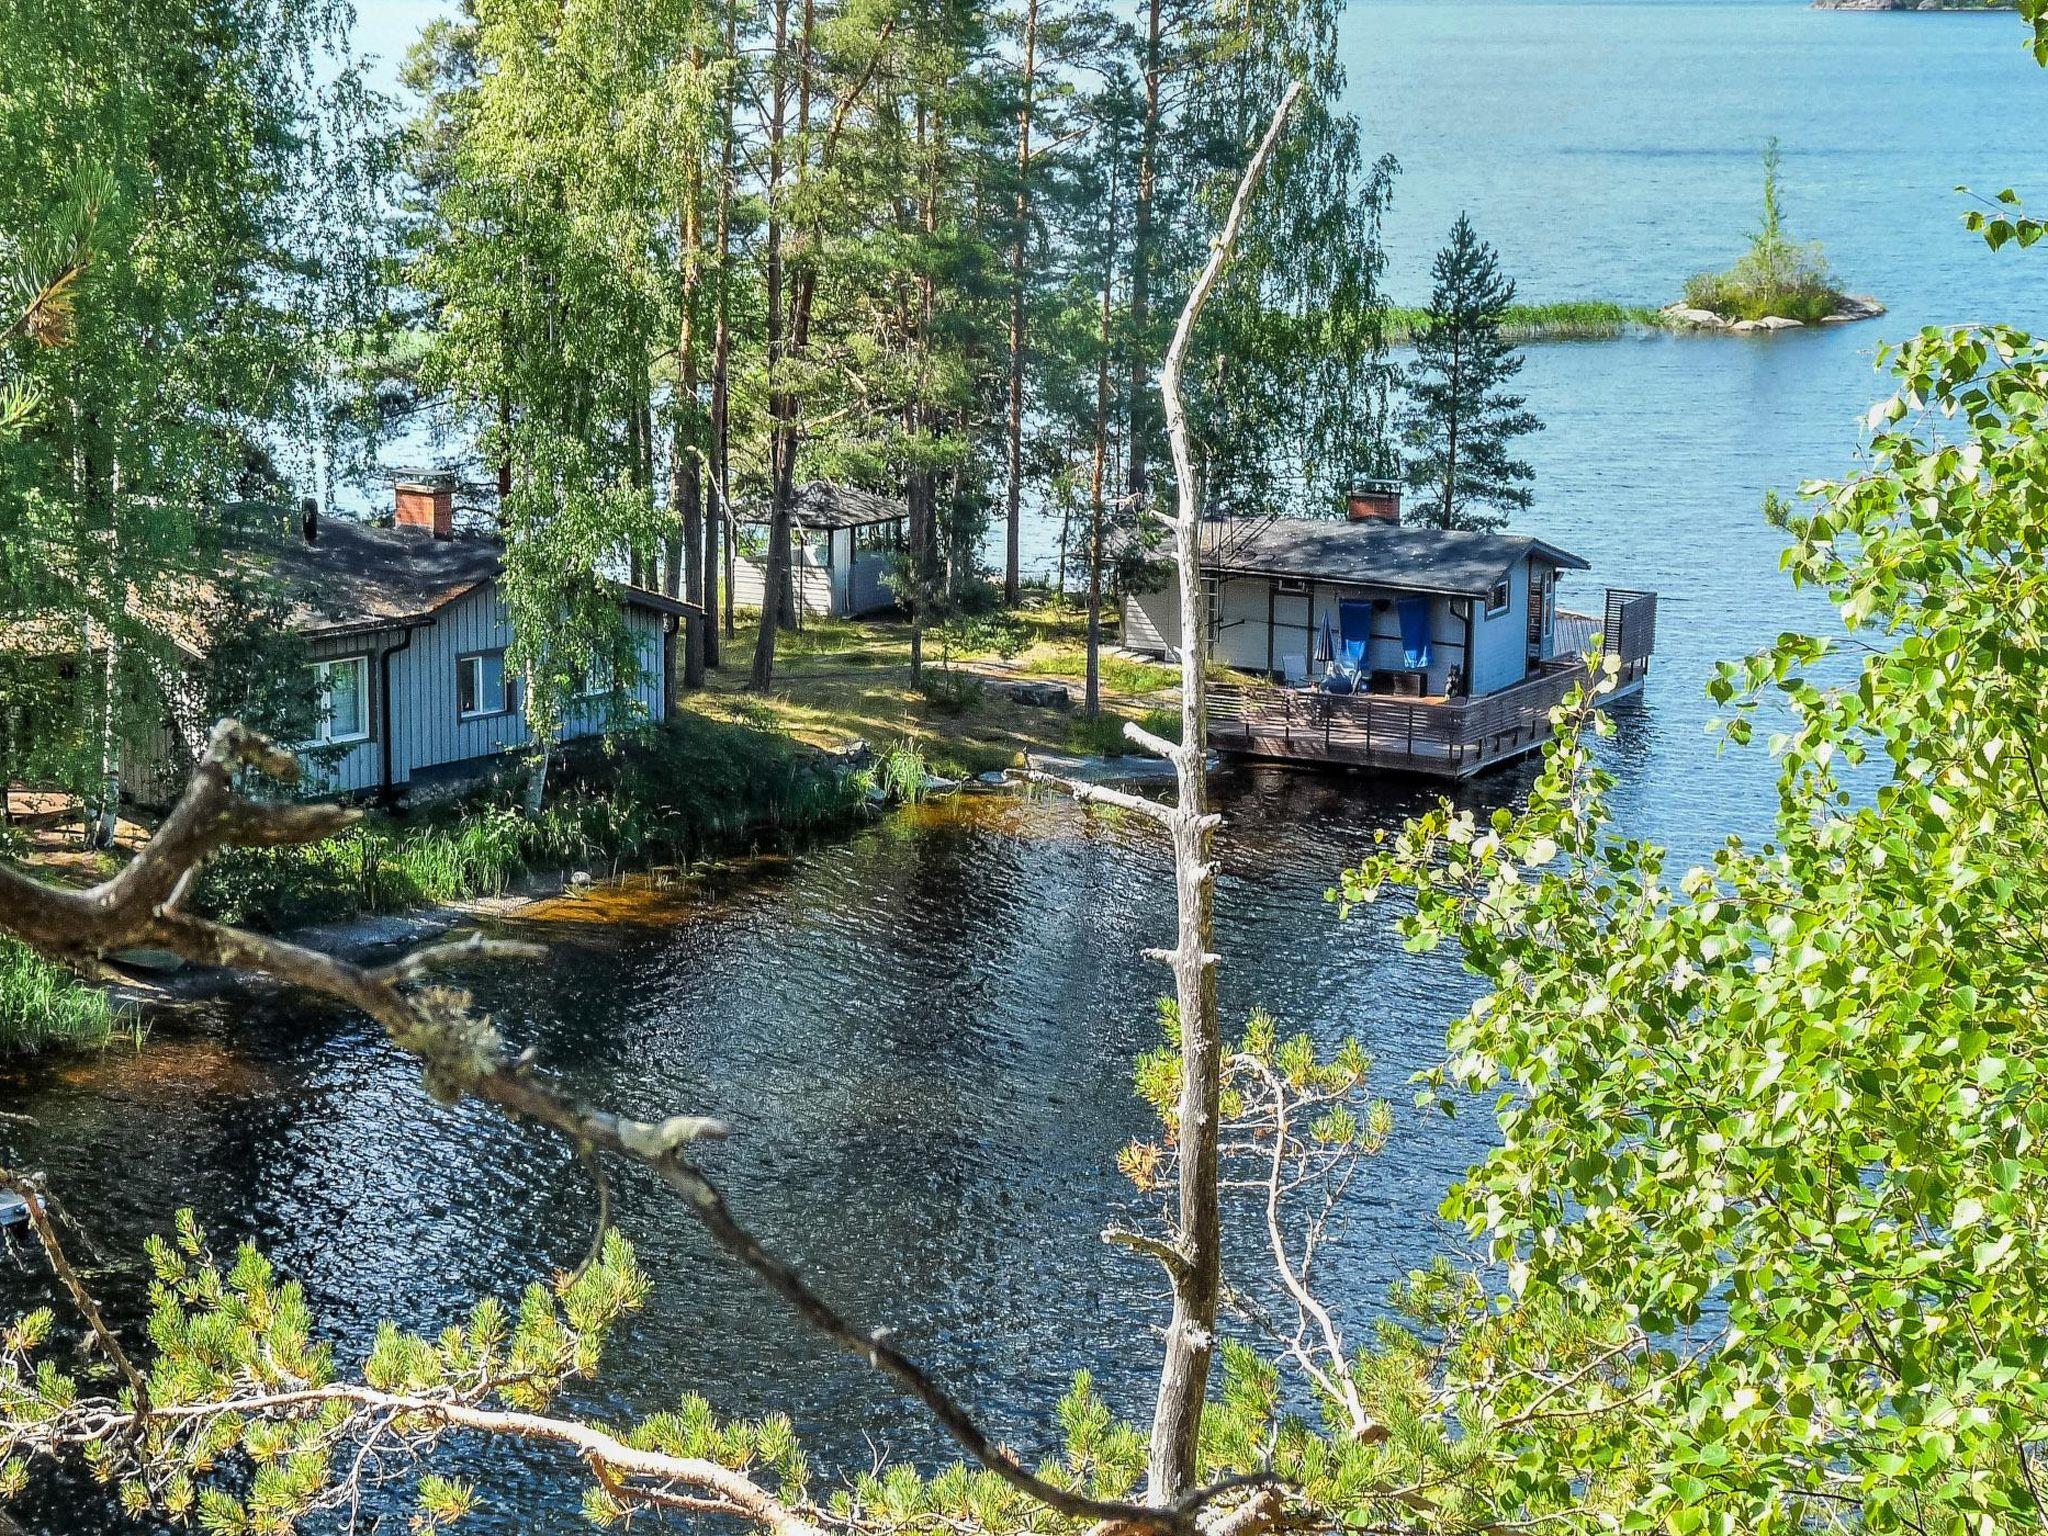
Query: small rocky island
pixel 1848 307
pixel 1778 285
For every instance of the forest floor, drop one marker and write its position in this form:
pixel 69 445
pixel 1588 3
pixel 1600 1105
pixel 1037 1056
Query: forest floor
pixel 843 681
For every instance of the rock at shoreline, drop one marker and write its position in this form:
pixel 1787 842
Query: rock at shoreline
pixel 1698 319
pixel 1685 317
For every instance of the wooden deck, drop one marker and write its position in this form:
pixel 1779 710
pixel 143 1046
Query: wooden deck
pixel 1444 738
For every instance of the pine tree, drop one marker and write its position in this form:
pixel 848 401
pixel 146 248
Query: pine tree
pixel 1460 421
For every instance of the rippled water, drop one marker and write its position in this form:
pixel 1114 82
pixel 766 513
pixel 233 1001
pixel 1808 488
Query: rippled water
pixel 923 1037
pixel 923 1034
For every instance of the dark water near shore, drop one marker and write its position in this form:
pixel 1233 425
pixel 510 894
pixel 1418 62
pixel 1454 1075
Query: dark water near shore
pixel 923 1035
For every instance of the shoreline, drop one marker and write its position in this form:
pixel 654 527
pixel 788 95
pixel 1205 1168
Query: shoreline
pixel 566 896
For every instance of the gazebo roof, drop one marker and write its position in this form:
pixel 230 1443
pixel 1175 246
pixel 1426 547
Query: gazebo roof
pixel 828 504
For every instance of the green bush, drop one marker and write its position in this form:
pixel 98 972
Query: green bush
pixel 1000 633
pixel 901 772
pixel 1796 285
pixel 948 692
pixel 1777 276
pixel 43 1006
pixel 669 792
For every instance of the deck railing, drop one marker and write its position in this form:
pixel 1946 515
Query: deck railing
pixel 1456 736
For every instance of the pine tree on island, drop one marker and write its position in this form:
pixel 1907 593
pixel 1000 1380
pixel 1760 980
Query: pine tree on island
pixel 1460 423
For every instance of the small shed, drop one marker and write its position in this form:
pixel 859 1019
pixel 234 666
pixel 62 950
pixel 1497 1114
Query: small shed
pixel 844 544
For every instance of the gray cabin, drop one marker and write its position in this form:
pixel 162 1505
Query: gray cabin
pixel 844 544
pixel 1367 643
pixel 408 635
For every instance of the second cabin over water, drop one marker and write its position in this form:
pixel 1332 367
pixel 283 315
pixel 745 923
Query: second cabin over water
pixel 1370 644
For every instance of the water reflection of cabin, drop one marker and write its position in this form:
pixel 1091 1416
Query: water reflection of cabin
pixel 1370 644
pixel 843 545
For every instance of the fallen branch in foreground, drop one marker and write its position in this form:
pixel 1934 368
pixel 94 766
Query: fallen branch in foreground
pixel 462 1054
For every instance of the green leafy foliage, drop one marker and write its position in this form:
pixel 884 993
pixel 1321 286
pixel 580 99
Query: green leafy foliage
pixel 253 1430
pixel 2007 222
pixel 1784 1112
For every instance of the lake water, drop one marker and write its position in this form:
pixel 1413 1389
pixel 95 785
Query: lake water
pixel 923 1034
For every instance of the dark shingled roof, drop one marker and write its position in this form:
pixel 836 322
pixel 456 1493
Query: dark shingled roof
pixel 356 578
pixel 827 504
pixel 1445 563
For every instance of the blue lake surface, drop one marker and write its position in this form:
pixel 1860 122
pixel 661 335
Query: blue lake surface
pixel 923 1033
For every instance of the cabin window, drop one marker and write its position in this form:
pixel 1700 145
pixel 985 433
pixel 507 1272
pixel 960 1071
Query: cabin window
pixel 1291 588
pixel 481 687
pixel 342 687
pixel 599 678
pixel 1500 599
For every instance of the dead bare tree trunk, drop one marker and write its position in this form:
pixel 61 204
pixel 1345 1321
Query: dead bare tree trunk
pixel 1197 1279
pixel 1193 1259
pixel 1141 252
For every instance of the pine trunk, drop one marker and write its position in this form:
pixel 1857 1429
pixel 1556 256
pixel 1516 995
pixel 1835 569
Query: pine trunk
pixel 1141 260
pixel 1012 551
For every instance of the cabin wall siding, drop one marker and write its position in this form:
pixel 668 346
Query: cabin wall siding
pixel 643 701
pixel 851 582
pixel 868 572
pixel 428 732
pixel 1151 623
pixel 1247 640
pixel 750 584
pixel 1386 651
pixel 1237 624
pixel 361 767
pixel 1500 644
pixel 425 721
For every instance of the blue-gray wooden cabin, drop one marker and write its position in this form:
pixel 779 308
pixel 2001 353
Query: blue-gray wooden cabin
pixel 408 633
pixel 1372 644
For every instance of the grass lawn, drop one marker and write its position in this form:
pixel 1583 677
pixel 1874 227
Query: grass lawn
pixel 838 681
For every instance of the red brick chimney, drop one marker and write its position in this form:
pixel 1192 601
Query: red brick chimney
pixel 1373 501
pixel 427 504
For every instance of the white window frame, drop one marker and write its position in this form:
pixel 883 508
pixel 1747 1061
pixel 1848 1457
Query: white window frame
pixel 504 705
pixel 323 670
pixel 590 686
pixel 1506 588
